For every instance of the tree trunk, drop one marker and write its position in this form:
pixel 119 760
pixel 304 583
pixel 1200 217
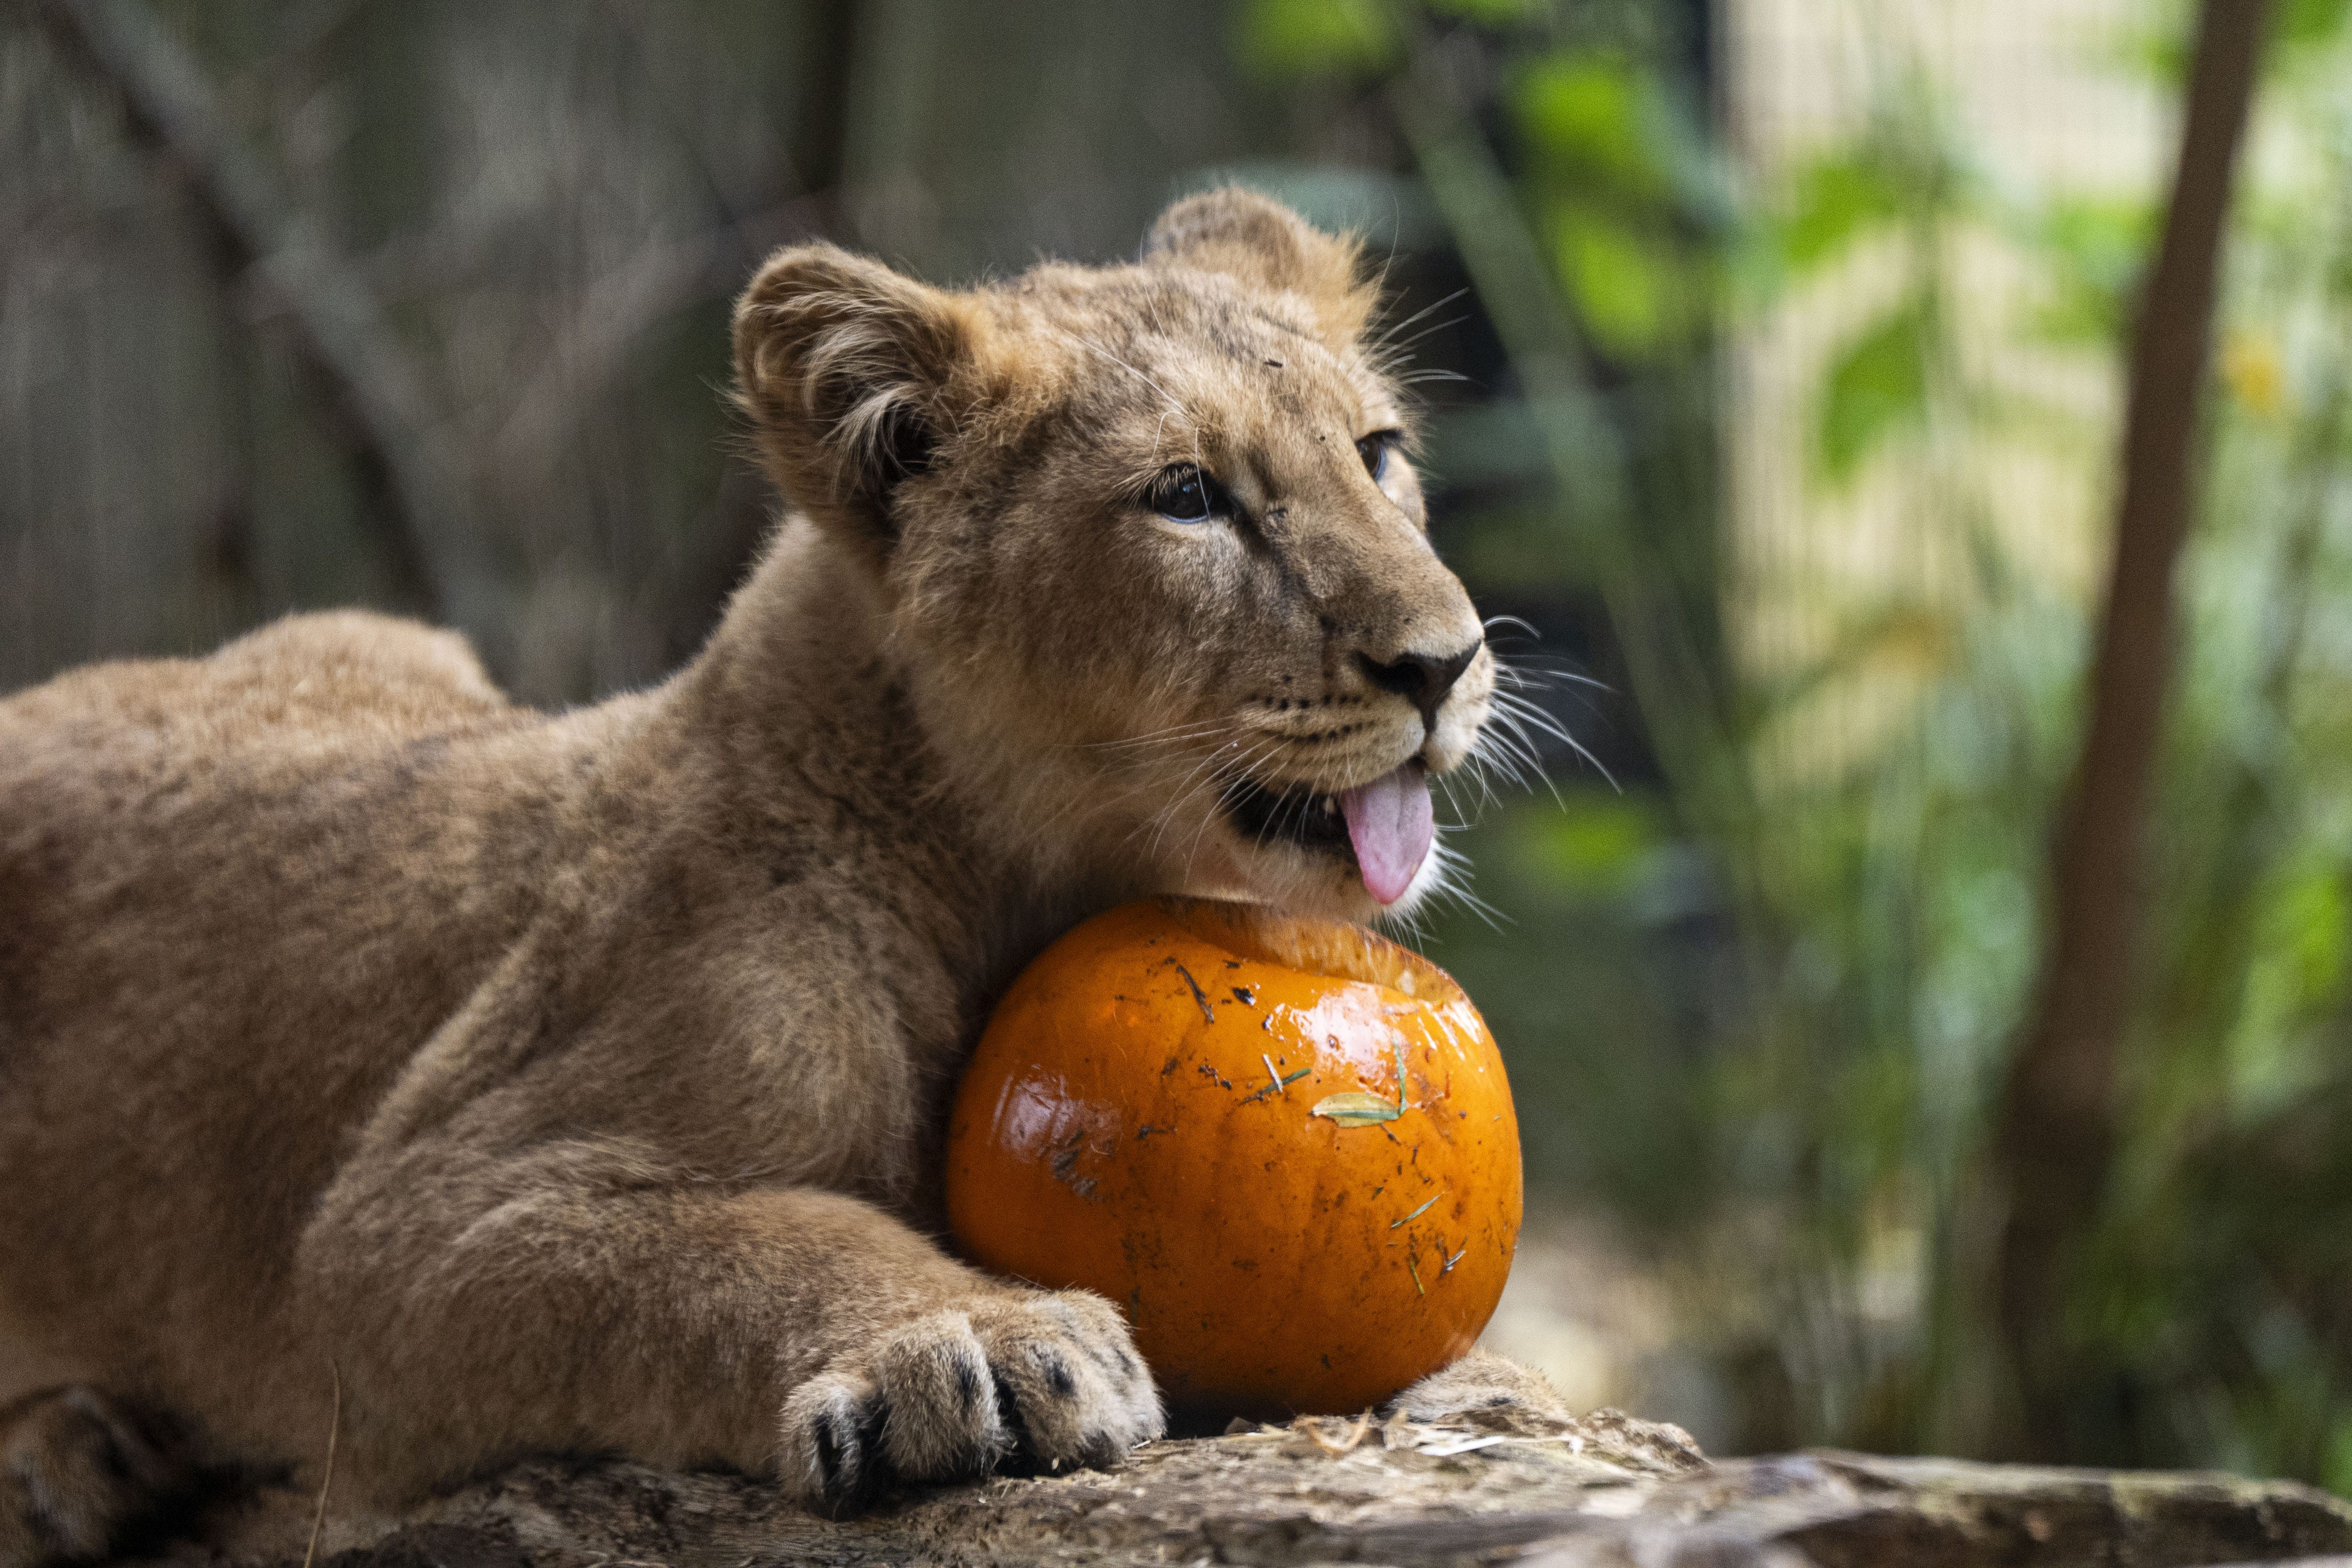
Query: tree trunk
pixel 2057 1115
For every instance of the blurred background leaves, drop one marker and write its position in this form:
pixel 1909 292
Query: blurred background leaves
pixel 1768 352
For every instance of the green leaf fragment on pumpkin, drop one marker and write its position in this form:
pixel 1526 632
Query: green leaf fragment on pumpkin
pixel 1356 1110
pixel 1415 1214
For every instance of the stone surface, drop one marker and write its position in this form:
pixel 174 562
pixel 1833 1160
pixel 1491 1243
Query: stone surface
pixel 1605 1492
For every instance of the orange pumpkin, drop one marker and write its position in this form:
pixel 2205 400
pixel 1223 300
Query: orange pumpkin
pixel 1286 1147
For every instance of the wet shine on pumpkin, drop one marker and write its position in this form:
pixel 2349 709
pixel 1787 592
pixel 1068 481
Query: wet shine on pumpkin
pixel 1285 1147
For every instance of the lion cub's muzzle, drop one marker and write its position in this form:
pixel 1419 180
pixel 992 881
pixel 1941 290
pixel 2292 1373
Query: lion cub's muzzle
pixel 1385 825
pixel 1421 678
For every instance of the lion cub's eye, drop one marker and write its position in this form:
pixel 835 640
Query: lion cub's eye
pixel 1374 449
pixel 1184 494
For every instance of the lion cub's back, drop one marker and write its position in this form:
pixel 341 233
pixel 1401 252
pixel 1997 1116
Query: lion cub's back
pixel 218 878
pixel 114 773
pixel 183 782
pixel 182 799
pixel 345 675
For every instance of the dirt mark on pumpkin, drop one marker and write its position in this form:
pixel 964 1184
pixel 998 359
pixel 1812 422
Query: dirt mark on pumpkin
pixel 1064 1168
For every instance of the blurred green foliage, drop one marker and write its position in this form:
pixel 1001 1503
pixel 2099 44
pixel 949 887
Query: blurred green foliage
pixel 1758 1003
pixel 1301 35
pixel 1611 164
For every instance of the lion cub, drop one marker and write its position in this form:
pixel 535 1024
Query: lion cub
pixel 575 1081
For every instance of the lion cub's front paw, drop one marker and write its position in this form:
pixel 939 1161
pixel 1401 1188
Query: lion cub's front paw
pixel 1482 1389
pixel 1041 1380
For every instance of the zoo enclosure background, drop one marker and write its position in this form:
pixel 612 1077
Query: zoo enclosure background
pixel 1788 332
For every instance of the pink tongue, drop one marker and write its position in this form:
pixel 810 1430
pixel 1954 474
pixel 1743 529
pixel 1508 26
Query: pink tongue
pixel 1389 823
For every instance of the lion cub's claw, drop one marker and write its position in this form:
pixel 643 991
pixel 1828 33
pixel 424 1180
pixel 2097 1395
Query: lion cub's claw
pixel 1025 1385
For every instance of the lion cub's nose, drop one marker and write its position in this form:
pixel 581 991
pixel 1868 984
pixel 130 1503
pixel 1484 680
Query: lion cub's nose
pixel 1421 678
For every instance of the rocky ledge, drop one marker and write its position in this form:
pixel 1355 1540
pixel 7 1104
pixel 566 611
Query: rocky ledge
pixel 1605 1492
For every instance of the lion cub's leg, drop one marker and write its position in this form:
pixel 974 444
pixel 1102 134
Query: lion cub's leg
pixel 482 1305
pixel 78 1471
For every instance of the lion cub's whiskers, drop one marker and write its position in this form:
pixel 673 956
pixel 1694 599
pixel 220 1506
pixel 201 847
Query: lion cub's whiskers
pixel 1175 734
pixel 1234 776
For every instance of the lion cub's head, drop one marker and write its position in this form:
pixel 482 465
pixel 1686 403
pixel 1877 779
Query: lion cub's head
pixel 1155 564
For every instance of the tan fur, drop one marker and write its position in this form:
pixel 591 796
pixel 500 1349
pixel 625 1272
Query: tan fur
pixel 573 1081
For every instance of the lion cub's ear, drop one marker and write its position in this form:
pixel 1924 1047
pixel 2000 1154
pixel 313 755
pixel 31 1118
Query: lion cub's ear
pixel 1245 235
pixel 847 369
